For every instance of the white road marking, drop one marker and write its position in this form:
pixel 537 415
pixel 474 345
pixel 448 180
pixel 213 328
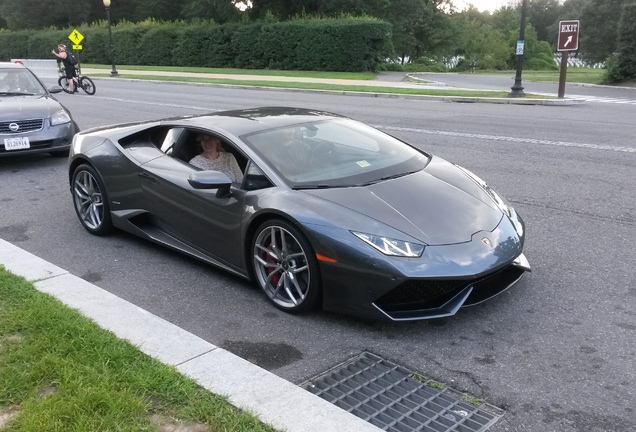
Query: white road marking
pixel 511 139
pixel 426 131
pixel 198 107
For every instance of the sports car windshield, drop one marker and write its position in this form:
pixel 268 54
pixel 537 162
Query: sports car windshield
pixel 17 82
pixel 335 153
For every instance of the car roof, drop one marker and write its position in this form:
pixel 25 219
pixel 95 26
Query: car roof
pixel 9 65
pixel 245 121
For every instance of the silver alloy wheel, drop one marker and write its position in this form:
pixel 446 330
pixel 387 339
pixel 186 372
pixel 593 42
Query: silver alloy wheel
pixel 88 200
pixel 281 267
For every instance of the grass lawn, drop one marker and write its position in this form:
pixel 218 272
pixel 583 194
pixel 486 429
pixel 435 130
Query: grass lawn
pixel 265 72
pixel 332 87
pixel 318 86
pixel 59 371
pixel 574 74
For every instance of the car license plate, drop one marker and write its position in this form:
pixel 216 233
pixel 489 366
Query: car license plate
pixel 16 143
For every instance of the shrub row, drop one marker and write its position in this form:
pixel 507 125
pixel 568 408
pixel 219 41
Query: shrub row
pixel 348 45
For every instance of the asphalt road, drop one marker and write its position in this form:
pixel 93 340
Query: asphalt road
pixel 557 351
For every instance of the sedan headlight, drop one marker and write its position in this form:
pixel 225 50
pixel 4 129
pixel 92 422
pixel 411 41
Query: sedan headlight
pixel 392 247
pixel 60 117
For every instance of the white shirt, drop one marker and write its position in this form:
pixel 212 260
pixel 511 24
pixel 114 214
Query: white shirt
pixel 226 163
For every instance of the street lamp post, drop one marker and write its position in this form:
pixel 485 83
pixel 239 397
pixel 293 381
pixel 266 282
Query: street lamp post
pixel 113 72
pixel 517 88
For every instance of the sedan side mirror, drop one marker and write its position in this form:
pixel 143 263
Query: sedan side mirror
pixel 55 89
pixel 211 180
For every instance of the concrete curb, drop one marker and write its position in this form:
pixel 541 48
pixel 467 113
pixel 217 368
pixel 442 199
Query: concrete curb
pixel 274 400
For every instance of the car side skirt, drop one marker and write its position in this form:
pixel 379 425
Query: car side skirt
pixel 137 222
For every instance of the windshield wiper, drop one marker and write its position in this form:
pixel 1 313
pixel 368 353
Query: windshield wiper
pixel 16 94
pixel 389 177
pixel 312 186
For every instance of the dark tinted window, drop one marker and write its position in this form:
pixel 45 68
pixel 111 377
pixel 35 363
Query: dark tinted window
pixel 335 153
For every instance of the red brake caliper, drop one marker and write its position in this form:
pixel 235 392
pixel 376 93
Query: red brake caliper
pixel 270 259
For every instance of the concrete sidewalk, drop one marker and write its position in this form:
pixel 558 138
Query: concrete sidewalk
pixel 130 74
pixel 274 400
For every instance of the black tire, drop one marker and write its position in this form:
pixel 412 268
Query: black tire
pixel 87 85
pixel 63 82
pixel 90 200
pixel 285 266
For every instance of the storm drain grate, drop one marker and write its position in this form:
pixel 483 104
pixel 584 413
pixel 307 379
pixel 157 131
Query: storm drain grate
pixel 388 396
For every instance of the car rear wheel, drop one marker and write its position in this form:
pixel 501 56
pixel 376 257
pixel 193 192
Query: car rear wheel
pixel 285 266
pixel 90 200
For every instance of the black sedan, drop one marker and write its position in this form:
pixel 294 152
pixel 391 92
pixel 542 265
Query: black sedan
pixel 31 120
pixel 346 217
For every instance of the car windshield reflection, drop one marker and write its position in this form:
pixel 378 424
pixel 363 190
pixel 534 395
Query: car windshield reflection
pixel 17 82
pixel 335 153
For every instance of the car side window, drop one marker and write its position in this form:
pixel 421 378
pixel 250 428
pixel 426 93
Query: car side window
pixel 255 178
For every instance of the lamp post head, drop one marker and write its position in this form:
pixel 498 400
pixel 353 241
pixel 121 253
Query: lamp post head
pixel 106 3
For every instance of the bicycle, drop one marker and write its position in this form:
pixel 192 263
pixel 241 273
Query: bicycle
pixel 81 82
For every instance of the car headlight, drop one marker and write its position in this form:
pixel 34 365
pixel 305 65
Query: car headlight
pixel 506 208
pixel 60 117
pixel 392 247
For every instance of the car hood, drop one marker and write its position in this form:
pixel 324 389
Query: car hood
pixel 21 107
pixel 438 205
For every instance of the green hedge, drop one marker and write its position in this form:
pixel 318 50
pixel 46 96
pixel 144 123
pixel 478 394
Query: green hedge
pixel 351 45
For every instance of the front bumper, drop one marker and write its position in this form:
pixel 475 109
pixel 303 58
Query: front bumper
pixel 445 278
pixel 48 139
pixel 424 299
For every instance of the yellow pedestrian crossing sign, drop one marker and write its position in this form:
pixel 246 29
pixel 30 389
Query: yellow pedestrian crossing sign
pixel 76 37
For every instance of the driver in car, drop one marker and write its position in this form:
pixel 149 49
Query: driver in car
pixel 10 83
pixel 288 154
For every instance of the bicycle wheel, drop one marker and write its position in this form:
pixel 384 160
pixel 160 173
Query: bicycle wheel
pixel 63 82
pixel 87 85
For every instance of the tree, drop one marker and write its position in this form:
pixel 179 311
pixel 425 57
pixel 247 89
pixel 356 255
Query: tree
pixel 506 20
pixel 622 65
pixel 480 42
pixel 20 14
pixel 220 11
pixel 542 14
pixel 410 19
pixel 161 10
pixel 599 32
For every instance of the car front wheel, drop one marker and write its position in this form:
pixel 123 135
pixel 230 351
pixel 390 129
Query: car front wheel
pixel 285 266
pixel 90 200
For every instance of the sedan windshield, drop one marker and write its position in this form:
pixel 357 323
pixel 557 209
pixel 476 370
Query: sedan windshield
pixel 335 153
pixel 15 82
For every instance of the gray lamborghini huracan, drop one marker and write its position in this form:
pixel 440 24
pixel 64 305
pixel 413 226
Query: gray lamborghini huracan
pixel 329 211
